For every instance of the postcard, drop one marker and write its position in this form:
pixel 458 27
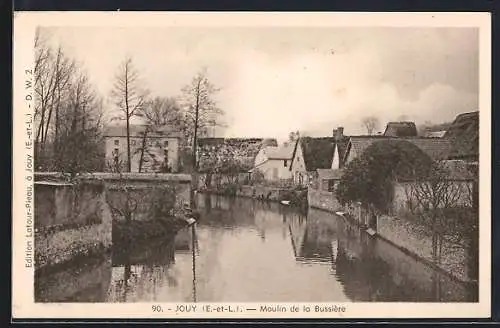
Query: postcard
pixel 251 165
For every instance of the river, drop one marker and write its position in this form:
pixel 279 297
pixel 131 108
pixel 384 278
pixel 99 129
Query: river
pixel 243 250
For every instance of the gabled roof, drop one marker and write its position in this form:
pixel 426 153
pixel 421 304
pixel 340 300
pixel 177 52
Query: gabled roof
pixel 318 152
pixel 282 152
pixel 401 129
pixel 464 136
pixel 436 148
pixel 137 130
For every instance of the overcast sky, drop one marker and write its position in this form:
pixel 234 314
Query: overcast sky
pixel 275 80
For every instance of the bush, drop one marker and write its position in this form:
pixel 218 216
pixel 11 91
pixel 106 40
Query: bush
pixel 369 178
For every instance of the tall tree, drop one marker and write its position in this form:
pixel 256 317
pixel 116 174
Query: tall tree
pixel 435 196
pixel 79 141
pixel 158 113
pixel 53 73
pixel 370 123
pixel 67 112
pixel 200 109
pixel 129 97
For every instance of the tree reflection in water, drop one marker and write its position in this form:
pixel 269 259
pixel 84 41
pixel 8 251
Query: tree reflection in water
pixel 332 260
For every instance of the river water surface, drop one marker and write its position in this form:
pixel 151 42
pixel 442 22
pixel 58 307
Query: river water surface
pixel 243 250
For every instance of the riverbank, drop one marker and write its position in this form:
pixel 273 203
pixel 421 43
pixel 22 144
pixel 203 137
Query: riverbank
pixel 293 196
pixel 72 221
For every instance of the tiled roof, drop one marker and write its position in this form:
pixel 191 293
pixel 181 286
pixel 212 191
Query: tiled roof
pixel 464 136
pixel 460 170
pixel 318 152
pixel 283 152
pixel 138 130
pixel 434 134
pixel 436 148
pixel 401 129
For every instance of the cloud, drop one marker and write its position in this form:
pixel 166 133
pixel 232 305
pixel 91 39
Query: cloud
pixel 276 80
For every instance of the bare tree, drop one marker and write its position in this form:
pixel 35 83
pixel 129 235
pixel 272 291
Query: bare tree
pixel 370 123
pixel 129 97
pixel 158 113
pixel 434 195
pixel 162 111
pixel 78 146
pixel 68 112
pixel 53 72
pixel 200 109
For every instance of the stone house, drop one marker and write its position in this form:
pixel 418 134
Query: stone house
pixel 212 152
pixel 274 162
pixel 321 192
pixel 311 154
pixel 152 149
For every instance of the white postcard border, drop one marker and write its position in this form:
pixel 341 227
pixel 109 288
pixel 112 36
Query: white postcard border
pixel 22 276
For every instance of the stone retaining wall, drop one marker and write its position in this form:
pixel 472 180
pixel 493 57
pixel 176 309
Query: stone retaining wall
pixel 70 221
pixel 406 235
pixel 323 200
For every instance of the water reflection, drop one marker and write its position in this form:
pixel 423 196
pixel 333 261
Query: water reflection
pixel 242 250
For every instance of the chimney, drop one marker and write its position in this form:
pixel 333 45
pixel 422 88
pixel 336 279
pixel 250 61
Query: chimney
pixel 339 133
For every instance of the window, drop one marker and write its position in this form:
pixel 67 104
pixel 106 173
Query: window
pixel 328 185
pixel 117 142
pixel 285 163
pixel 165 144
pixel 157 144
pixel 115 152
pixel 132 142
pixel 332 185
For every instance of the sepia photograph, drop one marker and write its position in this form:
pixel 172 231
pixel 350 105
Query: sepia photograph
pixel 239 167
